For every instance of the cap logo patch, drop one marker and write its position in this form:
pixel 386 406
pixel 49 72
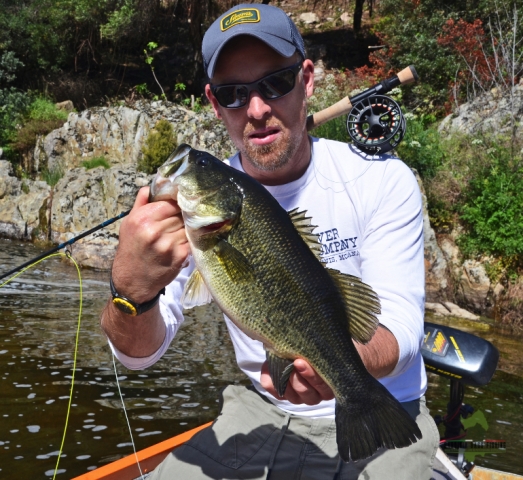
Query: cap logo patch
pixel 246 15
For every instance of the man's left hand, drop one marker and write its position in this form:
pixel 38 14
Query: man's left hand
pixel 305 385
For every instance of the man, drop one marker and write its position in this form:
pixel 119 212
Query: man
pixel 369 217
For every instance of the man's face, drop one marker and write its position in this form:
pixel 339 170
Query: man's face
pixel 270 134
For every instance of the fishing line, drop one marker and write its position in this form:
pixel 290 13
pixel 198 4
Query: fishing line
pixel 68 255
pixel 127 418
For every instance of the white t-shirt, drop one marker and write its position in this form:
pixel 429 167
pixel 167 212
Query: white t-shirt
pixel 369 216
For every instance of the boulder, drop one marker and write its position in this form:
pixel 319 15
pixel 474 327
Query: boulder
pixel 490 112
pixel 86 198
pixel 23 205
pixel 474 285
pixel 309 18
pixel 436 282
pixel 118 134
pixel 346 18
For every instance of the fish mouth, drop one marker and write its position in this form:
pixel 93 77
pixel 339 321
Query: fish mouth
pixel 164 185
pixel 207 226
pixel 216 227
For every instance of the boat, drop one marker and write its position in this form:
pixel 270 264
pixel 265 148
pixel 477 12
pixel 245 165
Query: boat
pixel 127 468
pixel 454 354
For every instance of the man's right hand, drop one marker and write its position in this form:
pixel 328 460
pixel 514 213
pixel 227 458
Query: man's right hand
pixel 152 250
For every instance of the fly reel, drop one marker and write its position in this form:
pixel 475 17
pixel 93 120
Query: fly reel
pixel 376 124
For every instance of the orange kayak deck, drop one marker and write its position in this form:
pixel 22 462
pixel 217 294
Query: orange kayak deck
pixel 149 458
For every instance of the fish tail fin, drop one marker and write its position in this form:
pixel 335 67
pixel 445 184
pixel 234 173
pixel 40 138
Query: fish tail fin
pixel 380 422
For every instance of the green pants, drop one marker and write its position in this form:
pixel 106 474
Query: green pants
pixel 253 439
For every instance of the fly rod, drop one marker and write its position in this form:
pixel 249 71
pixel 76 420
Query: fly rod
pixel 345 105
pixel 65 244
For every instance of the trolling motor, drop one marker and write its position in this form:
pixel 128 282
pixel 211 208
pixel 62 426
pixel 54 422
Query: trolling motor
pixel 375 122
pixel 466 360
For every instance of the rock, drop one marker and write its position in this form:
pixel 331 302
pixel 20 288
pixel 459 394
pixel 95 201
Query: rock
pixel 346 18
pixel 437 308
pixel 85 198
pixel 118 133
pixel 319 72
pixel 115 133
pixel 498 290
pixel 309 18
pixel 66 106
pixel 23 205
pixel 489 112
pixel 460 312
pixel 474 284
pixel 447 309
pixel 435 262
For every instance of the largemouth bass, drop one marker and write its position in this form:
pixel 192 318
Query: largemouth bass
pixel 261 265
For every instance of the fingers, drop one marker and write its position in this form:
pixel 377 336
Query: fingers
pixel 152 248
pixel 305 385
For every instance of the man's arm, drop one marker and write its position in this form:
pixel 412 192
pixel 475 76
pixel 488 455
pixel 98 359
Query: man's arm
pixel 152 250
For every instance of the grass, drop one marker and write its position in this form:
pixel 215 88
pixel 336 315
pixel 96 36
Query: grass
pixel 96 162
pixel 53 176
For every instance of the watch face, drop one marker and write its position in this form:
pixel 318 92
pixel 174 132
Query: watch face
pixel 125 306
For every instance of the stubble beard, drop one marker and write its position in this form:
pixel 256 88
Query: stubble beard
pixel 275 155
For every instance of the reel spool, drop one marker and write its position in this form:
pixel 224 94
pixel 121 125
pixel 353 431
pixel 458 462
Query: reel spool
pixel 376 124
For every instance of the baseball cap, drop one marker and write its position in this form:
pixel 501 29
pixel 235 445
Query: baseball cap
pixel 269 24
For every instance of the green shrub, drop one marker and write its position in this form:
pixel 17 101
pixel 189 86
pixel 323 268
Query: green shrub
pixel 43 109
pixel 492 208
pixel 13 103
pixel 96 162
pixel 42 117
pixel 421 146
pixel 158 145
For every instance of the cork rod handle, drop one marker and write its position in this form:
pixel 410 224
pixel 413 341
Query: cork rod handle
pixel 405 77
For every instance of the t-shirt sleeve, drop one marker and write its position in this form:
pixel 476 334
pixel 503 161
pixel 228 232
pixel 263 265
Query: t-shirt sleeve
pixel 172 315
pixel 392 257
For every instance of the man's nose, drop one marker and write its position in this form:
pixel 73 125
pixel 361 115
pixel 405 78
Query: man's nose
pixel 257 106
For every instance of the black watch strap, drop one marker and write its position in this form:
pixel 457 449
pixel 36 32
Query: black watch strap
pixel 126 305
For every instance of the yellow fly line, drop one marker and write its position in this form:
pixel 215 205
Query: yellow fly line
pixel 69 256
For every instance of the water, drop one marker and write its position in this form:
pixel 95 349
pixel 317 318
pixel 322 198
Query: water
pixel 38 322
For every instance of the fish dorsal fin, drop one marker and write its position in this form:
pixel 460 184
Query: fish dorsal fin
pixel 234 262
pixel 303 225
pixel 280 370
pixel 361 304
pixel 195 292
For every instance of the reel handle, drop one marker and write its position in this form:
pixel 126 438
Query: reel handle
pixel 405 77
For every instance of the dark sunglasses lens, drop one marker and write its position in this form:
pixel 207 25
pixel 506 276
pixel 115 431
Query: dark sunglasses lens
pixel 231 96
pixel 277 85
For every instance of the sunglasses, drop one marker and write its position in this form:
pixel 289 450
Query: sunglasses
pixel 275 85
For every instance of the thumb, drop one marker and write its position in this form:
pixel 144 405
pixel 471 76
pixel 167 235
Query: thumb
pixel 142 198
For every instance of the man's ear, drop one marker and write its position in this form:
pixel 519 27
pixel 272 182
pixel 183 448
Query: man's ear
pixel 214 102
pixel 308 77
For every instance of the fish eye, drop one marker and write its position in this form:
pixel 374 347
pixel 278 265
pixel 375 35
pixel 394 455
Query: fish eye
pixel 202 162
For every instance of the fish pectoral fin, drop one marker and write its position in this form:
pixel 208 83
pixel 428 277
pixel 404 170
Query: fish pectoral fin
pixel 362 304
pixel 280 370
pixel 234 262
pixel 303 226
pixel 195 292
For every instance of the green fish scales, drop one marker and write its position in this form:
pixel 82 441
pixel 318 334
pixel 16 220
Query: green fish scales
pixel 261 265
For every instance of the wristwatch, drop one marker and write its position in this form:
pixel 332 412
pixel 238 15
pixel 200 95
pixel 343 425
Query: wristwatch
pixel 126 305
